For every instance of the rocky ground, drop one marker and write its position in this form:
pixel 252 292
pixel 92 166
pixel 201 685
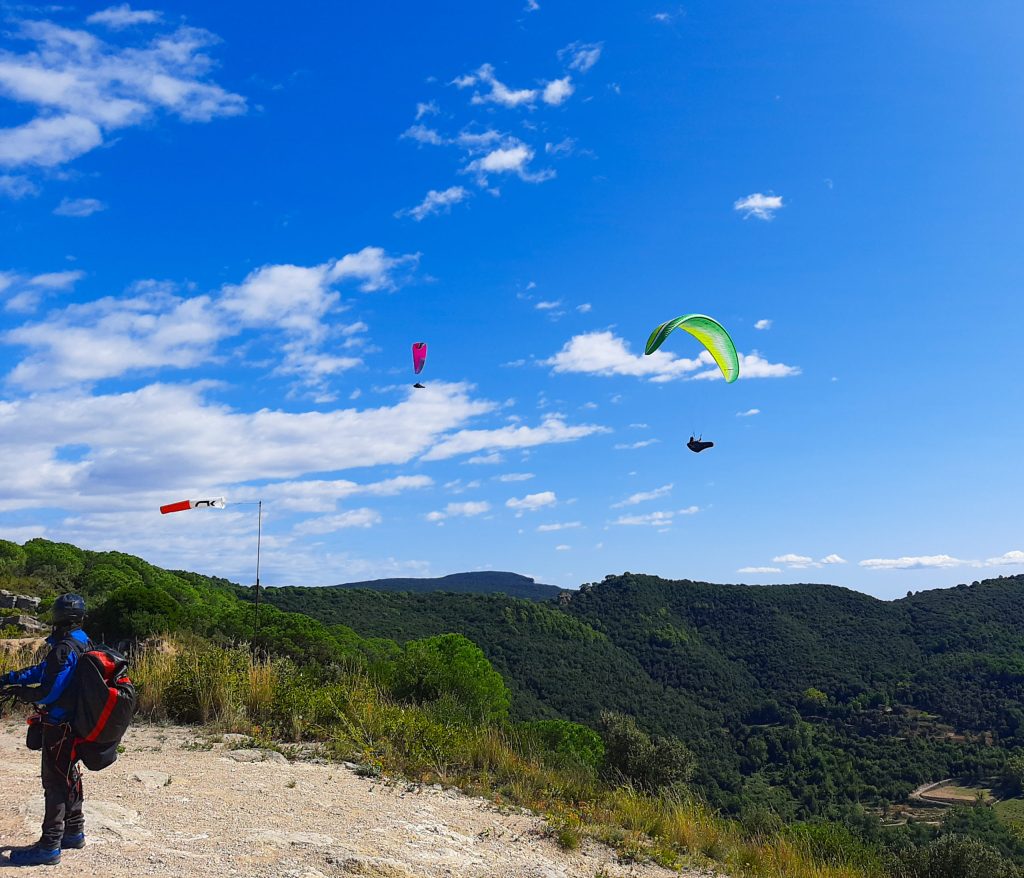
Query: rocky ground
pixel 166 808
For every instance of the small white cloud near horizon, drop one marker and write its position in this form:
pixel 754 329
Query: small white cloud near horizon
pixel 79 207
pixel 759 205
pixel 660 519
pixel 749 413
pixel 763 323
pixel 914 562
pixel 558 525
pixel 759 570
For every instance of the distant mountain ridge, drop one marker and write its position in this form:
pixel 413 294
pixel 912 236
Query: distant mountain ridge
pixel 514 585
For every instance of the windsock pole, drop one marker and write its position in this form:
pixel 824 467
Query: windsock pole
pixel 259 539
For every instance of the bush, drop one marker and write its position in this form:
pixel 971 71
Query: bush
pixel 450 664
pixel 954 856
pixel 650 764
pixel 12 558
pixel 571 742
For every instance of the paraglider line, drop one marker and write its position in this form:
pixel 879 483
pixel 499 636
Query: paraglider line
pixel 259 540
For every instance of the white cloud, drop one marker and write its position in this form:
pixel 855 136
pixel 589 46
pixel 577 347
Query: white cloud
pixel 918 562
pixel 120 17
pixel 752 365
pixel 499 92
pixel 581 56
pixel 1014 558
pixel 79 207
pixel 833 559
pixel 795 562
pixel 749 413
pixel 82 88
pixel 435 202
pixel 515 477
pixel 512 157
pixel 156 328
pixel 584 308
pixel 15 186
pixel 531 502
pixel 469 509
pixel 563 548
pixel 763 324
pixel 486 459
pixel 643 443
pixel 323 495
pixel 428 108
pixel 329 523
pixel 642 496
pixel 759 570
pixel 531 6
pixel 423 134
pixel 655 519
pixel 759 205
pixel 57 280
pixel 558 91
pixel 552 429
pixel 557 526
pixel 548 306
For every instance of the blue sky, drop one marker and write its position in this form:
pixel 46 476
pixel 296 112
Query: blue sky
pixel 222 227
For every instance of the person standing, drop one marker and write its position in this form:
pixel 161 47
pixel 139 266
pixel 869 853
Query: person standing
pixel 50 686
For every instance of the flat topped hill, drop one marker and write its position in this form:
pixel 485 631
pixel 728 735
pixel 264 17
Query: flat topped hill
pixel 481 582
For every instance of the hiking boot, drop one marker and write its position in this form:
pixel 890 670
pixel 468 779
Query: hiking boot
pixel 73 841
pixel 36 856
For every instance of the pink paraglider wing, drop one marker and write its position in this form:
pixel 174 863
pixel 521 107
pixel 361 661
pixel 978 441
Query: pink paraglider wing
pixel 419 356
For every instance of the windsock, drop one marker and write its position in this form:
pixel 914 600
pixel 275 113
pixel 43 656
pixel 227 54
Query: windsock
pixel 182 505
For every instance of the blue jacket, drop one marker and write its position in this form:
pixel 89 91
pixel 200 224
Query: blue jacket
pixel 45 683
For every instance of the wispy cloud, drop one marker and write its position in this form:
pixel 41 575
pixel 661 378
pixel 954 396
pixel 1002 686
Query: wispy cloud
pixel 758 205
pixel 326 524
pixel 120 17
pixel 552 430
pixel 803 562
pixel 630 446
pixel 15 186
pixel 515 477
pixel 581 56
pixel 764 323
pixel 749 413
pixel 435 202
pixel 643 496
pixel 558 91
pixel 914 562
pixel 759 570
pixel 83 88
pixel 79 207
pixel 497 92
pixel 559 525
pixel 655 519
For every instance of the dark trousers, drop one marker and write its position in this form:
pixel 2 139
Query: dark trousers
pixel 62 786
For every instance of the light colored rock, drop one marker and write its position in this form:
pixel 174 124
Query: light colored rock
pixel 375 867
pixel 291 839
pixel 152 780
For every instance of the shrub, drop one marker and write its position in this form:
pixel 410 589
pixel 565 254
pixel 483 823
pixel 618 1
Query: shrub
pixel 450 664
pixel 571 742
pixel 651 764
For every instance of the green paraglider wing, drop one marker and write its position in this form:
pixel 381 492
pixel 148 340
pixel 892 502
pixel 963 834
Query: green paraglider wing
pixel 709 333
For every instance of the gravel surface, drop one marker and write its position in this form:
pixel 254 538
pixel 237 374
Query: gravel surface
pixel 164 809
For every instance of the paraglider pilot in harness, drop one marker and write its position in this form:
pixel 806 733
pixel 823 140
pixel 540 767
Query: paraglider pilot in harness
pixel 698 445
pixel 49 685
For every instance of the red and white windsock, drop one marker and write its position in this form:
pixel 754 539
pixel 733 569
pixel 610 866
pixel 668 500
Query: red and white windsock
pixel 182 505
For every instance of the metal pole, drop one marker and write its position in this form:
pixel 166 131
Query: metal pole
pixel 259 540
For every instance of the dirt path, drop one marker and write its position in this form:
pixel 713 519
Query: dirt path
pixel 170 811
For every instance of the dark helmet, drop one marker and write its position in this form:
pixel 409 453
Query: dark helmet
pixel 68 609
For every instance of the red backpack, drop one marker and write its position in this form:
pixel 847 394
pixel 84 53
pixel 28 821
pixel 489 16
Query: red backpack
pixel 105 703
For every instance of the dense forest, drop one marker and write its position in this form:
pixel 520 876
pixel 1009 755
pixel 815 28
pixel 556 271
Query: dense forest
pixel 796 703
pixel 478 582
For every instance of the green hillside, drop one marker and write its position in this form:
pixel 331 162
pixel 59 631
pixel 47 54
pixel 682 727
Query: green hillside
pixel 477 582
